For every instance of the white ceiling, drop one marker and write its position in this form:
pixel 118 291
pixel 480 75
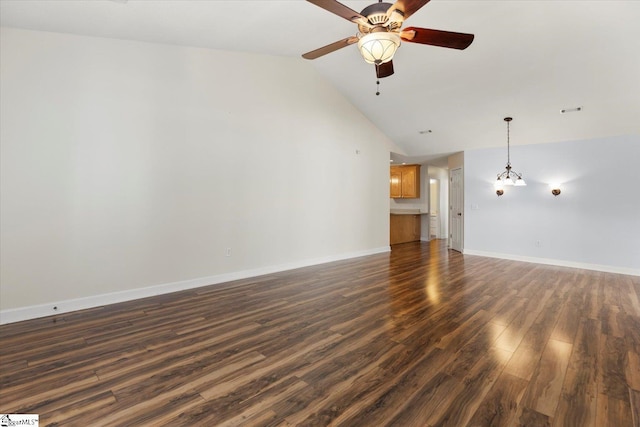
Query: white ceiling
pixel 529 60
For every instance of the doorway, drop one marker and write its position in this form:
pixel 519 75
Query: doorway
pixel 434 208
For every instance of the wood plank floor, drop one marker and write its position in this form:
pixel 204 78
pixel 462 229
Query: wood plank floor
pixel 422 336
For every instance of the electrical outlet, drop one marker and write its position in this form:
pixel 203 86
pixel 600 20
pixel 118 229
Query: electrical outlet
pixel 227 252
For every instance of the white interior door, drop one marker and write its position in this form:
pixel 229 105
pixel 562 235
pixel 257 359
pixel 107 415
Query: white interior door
pixel 456 204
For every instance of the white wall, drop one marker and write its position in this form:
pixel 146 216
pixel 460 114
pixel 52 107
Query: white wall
pixel 594 223
pixel 128 165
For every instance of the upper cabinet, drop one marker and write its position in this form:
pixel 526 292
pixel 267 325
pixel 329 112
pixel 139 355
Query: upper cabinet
pixel 405 182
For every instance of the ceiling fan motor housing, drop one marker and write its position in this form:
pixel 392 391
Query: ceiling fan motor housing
pixel 377 16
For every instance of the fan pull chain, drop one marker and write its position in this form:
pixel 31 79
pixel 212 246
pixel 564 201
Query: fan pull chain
pixel 377 87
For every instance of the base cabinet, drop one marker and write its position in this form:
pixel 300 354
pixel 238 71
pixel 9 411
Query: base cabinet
pixel 404 228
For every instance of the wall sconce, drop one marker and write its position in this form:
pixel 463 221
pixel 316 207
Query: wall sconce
pixel 555 189
pixel 499 191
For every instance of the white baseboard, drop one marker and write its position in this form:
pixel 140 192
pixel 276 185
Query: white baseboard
pixel 65 306
pixel 558 262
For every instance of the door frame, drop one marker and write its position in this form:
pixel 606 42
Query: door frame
pixel 456 209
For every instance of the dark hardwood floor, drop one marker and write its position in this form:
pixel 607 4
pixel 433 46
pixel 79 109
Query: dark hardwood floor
pixel 422 336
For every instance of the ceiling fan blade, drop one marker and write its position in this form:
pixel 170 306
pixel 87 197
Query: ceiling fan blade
pixel 384 70
pixel 341 10
pixel 330 48
pixel 406 8
pixel 437 37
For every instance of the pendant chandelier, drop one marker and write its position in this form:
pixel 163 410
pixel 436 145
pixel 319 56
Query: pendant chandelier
pixel 508 177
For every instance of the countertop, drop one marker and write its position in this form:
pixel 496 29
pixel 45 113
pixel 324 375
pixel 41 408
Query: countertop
pixel 407 212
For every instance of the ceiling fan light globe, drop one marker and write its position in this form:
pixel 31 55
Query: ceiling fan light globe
pixel 378 47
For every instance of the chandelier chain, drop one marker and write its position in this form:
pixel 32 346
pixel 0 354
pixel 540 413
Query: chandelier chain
pixel 508 145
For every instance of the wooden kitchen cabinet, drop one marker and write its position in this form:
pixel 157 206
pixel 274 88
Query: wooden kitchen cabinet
pixel 396 183
pixel 404 228
pixel 405 182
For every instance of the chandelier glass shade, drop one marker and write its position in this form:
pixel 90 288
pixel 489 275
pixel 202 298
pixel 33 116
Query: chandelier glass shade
pixel 379 47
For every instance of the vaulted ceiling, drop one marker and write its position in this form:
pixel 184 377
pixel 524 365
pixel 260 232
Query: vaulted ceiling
pixel 529 60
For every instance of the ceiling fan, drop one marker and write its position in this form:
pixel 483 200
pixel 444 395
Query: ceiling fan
pixel 380 32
